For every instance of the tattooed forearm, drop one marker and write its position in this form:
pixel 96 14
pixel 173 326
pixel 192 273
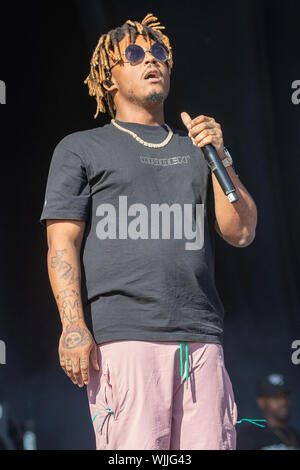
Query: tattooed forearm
pixel 75 335
pixel 68 301
pixel 65 269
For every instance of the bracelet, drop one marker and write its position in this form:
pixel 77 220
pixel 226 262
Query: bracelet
pixel 228 160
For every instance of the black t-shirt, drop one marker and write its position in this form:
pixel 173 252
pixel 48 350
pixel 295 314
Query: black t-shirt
pixel 147 255
pixel 255 438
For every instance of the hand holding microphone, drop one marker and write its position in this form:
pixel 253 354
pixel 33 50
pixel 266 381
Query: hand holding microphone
pixel 206 134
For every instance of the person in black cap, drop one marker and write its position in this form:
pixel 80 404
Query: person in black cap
pixel 273 397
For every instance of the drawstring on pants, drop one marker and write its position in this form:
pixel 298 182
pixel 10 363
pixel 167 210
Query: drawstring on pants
pixel 252 421
pixel 187 363
pixel 108 415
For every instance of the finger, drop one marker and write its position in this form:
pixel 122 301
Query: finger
pixel 68 366
pixel 78 379
pixel 69 370
pixel 94 358
pixel 84 363
pixel 63 363
pixel 194 131
pixel 186 119
pixel 77 372
pixel 200 119
pixel 71 377
pixel 206 141
pixel 217 133
pixel 203 134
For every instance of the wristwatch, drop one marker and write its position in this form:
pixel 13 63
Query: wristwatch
pixel 228 160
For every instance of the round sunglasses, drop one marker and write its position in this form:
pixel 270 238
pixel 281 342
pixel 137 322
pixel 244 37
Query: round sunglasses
pixel 135 54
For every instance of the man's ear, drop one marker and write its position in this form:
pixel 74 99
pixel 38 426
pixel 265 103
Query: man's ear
pixel 109 85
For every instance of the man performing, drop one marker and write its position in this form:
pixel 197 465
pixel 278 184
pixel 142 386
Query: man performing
pixel 131 209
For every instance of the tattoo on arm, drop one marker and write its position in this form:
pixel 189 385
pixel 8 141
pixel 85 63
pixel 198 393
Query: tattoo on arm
pixel 69 306
pixel 75 335
pixel 67 271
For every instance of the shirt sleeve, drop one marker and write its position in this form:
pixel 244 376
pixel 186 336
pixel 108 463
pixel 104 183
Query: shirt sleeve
pixel 67 193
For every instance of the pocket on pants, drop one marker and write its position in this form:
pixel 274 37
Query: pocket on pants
pixel 229 399
pixel 108 395
pixel 109 400
pixel 104 410
pixel 234 413
pixel 233 405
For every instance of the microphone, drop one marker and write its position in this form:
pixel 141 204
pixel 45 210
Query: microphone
pixel 214 162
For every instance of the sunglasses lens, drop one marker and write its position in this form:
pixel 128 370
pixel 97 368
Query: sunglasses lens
pixel 160 52
pixel 134 53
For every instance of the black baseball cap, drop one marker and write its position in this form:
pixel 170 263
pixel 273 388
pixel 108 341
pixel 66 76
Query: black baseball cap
pixel 272 384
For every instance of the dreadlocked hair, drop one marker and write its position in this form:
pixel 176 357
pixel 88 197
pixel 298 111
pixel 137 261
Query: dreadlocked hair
pixel 108 50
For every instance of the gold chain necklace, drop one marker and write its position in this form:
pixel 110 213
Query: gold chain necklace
pixel 141 141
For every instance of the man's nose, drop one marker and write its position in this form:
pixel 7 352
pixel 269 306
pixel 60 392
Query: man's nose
pixel 149 58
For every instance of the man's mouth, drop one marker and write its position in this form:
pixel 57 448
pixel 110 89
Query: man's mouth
pixel 153 76
pixel 153 79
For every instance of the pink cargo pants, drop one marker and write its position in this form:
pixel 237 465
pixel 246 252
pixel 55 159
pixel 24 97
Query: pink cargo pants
pixel 139 401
